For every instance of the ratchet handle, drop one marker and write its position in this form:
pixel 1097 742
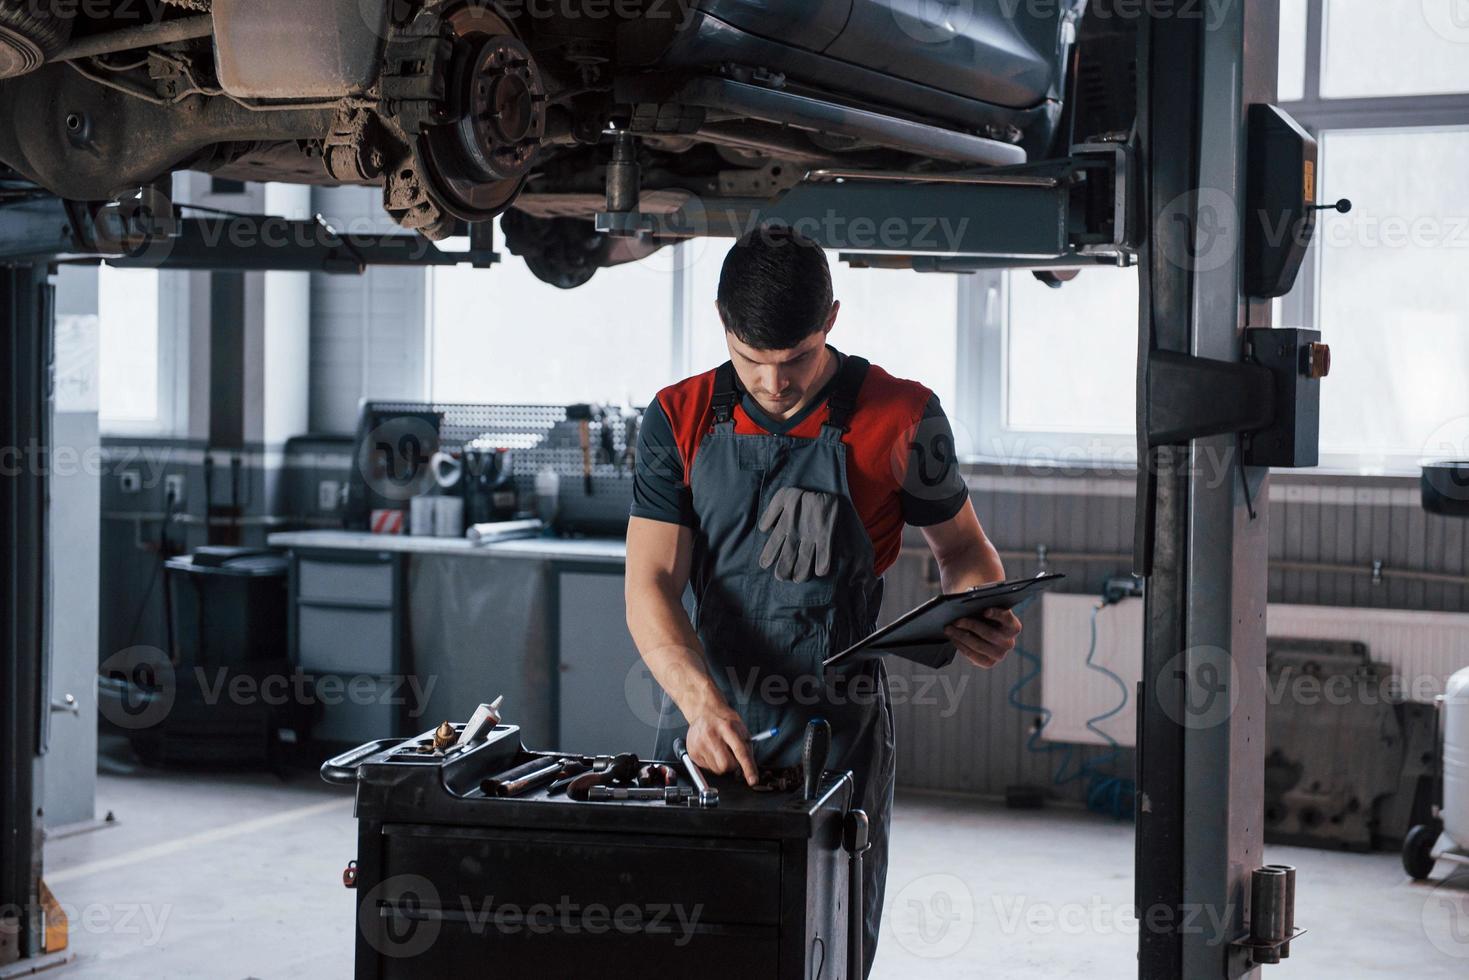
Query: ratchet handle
pixel 814 754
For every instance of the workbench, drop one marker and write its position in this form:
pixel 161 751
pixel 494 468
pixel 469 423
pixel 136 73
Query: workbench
pixel 541 620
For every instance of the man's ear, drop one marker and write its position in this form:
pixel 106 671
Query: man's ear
pixel 831 318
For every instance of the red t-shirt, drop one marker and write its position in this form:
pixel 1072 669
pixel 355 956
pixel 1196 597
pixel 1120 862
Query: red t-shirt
pixel 900 454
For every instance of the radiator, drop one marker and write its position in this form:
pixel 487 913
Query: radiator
pixel 1423 648
pixel 1074 692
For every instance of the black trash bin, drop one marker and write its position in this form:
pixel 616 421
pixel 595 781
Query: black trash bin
pixel 229 690
pixel 228 606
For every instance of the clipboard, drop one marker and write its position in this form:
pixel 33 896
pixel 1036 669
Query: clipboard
pixel 922 627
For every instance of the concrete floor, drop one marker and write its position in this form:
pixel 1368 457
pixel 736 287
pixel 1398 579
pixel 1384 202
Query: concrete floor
pixel 239 875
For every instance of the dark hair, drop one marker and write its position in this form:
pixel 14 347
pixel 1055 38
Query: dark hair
pixel 774 288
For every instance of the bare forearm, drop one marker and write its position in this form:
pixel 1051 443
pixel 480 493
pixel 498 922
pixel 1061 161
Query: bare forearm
pixel 669 646
pixel 977 563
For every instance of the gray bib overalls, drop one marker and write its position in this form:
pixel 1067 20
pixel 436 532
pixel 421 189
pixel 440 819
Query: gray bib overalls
pixel 765 638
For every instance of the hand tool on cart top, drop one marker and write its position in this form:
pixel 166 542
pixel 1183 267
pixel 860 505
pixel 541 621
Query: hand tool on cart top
pixel 813 755
pixel 624 769
pixel 524 777
pixel 587 763
pixel 672 795
pixel 708 796
pixel 657 774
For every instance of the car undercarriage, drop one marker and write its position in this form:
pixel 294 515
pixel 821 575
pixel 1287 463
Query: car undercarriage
pixel 577 117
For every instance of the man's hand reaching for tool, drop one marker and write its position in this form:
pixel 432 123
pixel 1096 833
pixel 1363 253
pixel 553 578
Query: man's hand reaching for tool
pixel 718 742
pixel 987 638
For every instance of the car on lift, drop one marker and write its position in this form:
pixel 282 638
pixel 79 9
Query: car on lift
pixel 552 112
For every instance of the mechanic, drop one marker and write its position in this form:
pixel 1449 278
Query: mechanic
pixel 780 483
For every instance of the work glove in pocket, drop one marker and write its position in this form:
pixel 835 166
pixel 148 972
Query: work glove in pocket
pixel 802 525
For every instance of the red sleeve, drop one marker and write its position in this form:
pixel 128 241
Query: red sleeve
pixel 687 405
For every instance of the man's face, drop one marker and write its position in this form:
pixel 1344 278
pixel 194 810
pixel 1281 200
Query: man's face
pixel 780 381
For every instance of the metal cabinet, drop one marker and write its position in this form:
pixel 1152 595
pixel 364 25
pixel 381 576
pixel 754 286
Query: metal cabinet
pixel 607 700
pixel 347 634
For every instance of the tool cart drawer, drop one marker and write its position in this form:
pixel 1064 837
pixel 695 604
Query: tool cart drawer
pixel 454 878
pixel 642 870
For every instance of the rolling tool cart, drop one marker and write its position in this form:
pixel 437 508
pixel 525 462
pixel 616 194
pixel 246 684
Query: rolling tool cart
pixel 475 854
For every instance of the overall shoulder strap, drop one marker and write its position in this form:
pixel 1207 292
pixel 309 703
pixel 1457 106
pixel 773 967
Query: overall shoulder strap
pixel 843 400
pixel 726 393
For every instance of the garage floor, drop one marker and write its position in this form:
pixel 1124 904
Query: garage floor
pixel 236 876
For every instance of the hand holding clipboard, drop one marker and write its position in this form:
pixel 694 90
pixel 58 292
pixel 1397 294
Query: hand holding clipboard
pixel 923 626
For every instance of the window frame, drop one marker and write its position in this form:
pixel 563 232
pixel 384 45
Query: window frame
pixel 982 381
pixel 174 315
pixel 1319 116
pixel 984 309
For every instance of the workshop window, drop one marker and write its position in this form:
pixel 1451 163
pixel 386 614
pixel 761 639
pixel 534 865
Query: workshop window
pixel 128 349
pixel 502 335
pixel 1053 374
pixel 1391 295
pixel 1394 48
pixel 1292 80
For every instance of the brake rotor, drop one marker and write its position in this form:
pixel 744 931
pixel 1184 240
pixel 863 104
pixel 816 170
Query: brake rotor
pixel 478 162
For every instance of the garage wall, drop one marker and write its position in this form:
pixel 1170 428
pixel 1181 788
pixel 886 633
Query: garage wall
pixel 974 741
pixel 367 331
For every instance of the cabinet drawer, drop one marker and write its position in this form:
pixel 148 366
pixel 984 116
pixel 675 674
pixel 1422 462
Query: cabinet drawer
pixel 344 581
pixel 336 640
